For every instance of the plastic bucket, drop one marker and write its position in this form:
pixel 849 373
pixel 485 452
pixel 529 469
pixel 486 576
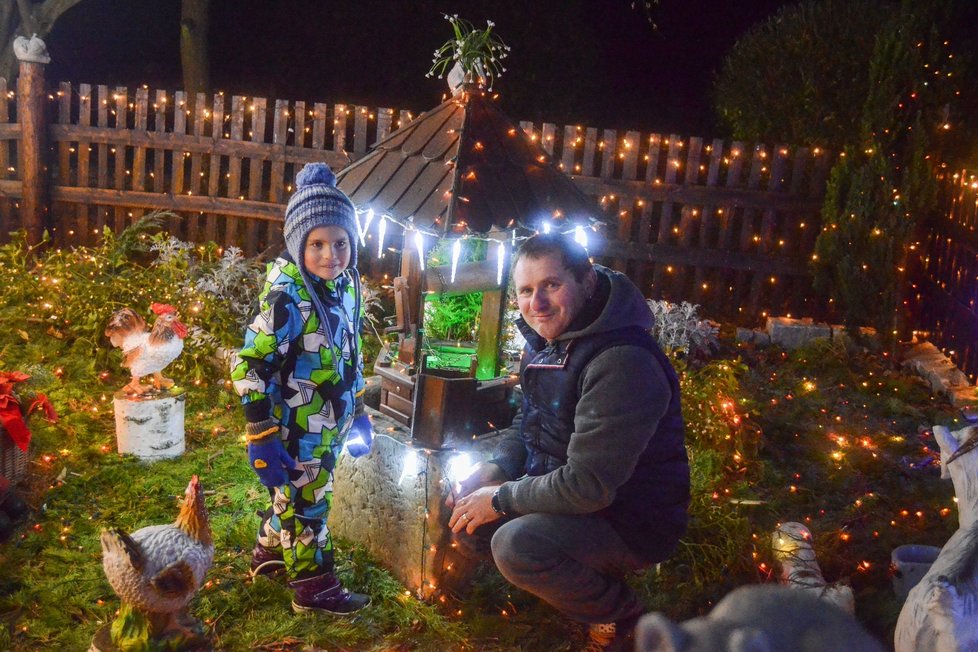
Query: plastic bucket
pixel 909 564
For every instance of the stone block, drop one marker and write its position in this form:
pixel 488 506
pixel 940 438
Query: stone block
pixel 392 502
pixel 941 374
pixel 793 333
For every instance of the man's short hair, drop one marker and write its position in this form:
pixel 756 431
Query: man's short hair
pixel 571 254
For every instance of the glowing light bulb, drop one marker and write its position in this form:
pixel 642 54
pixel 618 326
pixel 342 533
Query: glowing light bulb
pixel 412 464
pixel 366 226
pixel 546 227
pixel 456 252
pixel 381 230
pixel 580 236
pixel 500 262
pixel 419 244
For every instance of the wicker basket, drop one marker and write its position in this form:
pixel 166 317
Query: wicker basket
pixel 13 461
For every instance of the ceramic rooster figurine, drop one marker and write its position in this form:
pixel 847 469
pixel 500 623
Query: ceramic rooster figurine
pixel 157 570
pixel 147 352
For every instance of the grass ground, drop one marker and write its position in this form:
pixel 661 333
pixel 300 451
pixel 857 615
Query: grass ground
pixel 832 436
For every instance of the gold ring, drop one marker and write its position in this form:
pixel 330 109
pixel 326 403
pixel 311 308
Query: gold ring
pixel 465 516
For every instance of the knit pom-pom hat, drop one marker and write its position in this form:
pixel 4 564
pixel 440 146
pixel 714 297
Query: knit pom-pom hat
pixel 318 202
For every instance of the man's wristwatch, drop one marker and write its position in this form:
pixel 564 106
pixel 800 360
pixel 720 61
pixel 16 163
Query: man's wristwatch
pixel 495 504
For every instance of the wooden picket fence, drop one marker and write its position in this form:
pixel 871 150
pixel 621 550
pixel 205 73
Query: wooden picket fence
pixel 728 225
pixel 946 289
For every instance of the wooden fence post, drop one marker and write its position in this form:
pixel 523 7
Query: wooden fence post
pixel 30 114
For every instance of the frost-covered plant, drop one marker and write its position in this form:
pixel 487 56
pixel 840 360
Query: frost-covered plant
pixel 477 51
pixel 234 280
pixel 678 329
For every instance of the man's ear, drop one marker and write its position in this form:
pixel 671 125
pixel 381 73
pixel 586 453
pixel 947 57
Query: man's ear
pixel 590 283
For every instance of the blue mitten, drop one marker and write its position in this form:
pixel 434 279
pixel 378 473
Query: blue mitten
pixel 360 437
pixel 270 460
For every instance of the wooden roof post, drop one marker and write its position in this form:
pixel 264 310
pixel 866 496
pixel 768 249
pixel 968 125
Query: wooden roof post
pixel 32 55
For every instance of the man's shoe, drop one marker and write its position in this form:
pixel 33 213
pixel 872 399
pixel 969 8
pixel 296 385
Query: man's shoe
pixel 266 561
pixel 324 594
pixel 612 637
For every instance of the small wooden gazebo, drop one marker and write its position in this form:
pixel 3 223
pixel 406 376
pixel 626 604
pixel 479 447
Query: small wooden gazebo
pixel 462 170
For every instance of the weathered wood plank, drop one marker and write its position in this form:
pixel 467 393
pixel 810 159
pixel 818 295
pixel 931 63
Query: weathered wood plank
pixel 361 115
pixel 139 153
pixel 102 155
pixel 256 172
pixel 710 222
pixel 189 144
pixel 568 150
pixel 665 234
pixel 280 135
pixel 84 156
pixel 178 161
pixel 626 207
pixel 385 117
pixel 339 127
pixel 547 133
pixel 236 135
pixel 194 226
pixel 214 176
pixel 64 148
pixel 159 155
pixel 609 140
pixel 119 171
pixel 590 145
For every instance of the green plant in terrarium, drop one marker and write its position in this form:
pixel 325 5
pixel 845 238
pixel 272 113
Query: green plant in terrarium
pixel 452 318
pixel 478 52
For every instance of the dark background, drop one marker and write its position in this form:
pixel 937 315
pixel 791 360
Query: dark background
pixel 592 62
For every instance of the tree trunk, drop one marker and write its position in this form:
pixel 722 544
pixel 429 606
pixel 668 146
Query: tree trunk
pixel 41 17
pixel 193 48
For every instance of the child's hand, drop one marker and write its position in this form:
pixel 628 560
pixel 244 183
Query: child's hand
pixel 270 460
pixel 360 437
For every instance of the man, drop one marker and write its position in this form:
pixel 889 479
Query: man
pixel 592 479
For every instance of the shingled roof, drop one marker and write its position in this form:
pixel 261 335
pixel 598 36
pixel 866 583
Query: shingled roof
pixel 501 178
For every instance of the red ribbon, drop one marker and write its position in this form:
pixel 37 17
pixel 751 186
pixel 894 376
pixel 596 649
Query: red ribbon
pixel 11 417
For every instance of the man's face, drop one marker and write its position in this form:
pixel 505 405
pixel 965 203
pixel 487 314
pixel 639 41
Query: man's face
pixel 548 295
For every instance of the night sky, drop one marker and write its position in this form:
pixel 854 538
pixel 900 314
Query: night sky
pixel 592 62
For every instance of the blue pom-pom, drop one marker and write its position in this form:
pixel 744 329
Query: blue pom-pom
pixel 313 174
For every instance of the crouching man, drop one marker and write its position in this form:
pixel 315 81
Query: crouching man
pixel 591 481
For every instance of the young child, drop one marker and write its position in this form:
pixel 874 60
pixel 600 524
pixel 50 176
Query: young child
pixel 300 378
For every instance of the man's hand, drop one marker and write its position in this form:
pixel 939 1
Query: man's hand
pixel 474 510
pixel 485 473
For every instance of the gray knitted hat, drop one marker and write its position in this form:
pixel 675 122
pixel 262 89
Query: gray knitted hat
pixel 318 202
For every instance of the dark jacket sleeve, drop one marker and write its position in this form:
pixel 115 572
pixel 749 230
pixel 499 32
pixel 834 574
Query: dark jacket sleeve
pixel 624 394
pixel 510 453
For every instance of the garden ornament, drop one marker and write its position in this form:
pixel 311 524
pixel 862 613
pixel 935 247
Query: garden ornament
pixel 759 618
pixel 31 49
pixel 792 546
pixel 147 352
pixel 941 611
pixel 156 571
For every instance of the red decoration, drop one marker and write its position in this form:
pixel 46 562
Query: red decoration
pixel 11 415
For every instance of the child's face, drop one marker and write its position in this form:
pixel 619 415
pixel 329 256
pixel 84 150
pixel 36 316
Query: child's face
pixel 327 252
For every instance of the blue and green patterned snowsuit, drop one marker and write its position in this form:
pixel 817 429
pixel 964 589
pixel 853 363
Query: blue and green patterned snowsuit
pixel 311 385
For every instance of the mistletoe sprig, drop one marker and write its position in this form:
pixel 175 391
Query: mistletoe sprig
pixel 478 52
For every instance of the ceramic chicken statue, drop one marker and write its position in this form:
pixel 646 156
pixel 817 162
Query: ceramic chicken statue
pixel 156 571
pixel 147 352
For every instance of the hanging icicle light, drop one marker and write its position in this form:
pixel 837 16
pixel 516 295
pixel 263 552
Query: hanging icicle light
pixel 419 243
pixel 381 230
pixel 366 227
pixel 580 237
pixel 500 261
pixel 456 252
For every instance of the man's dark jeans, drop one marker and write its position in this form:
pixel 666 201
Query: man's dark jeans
pixel 575 563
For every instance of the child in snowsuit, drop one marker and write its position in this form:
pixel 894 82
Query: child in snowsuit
pixel 300 378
